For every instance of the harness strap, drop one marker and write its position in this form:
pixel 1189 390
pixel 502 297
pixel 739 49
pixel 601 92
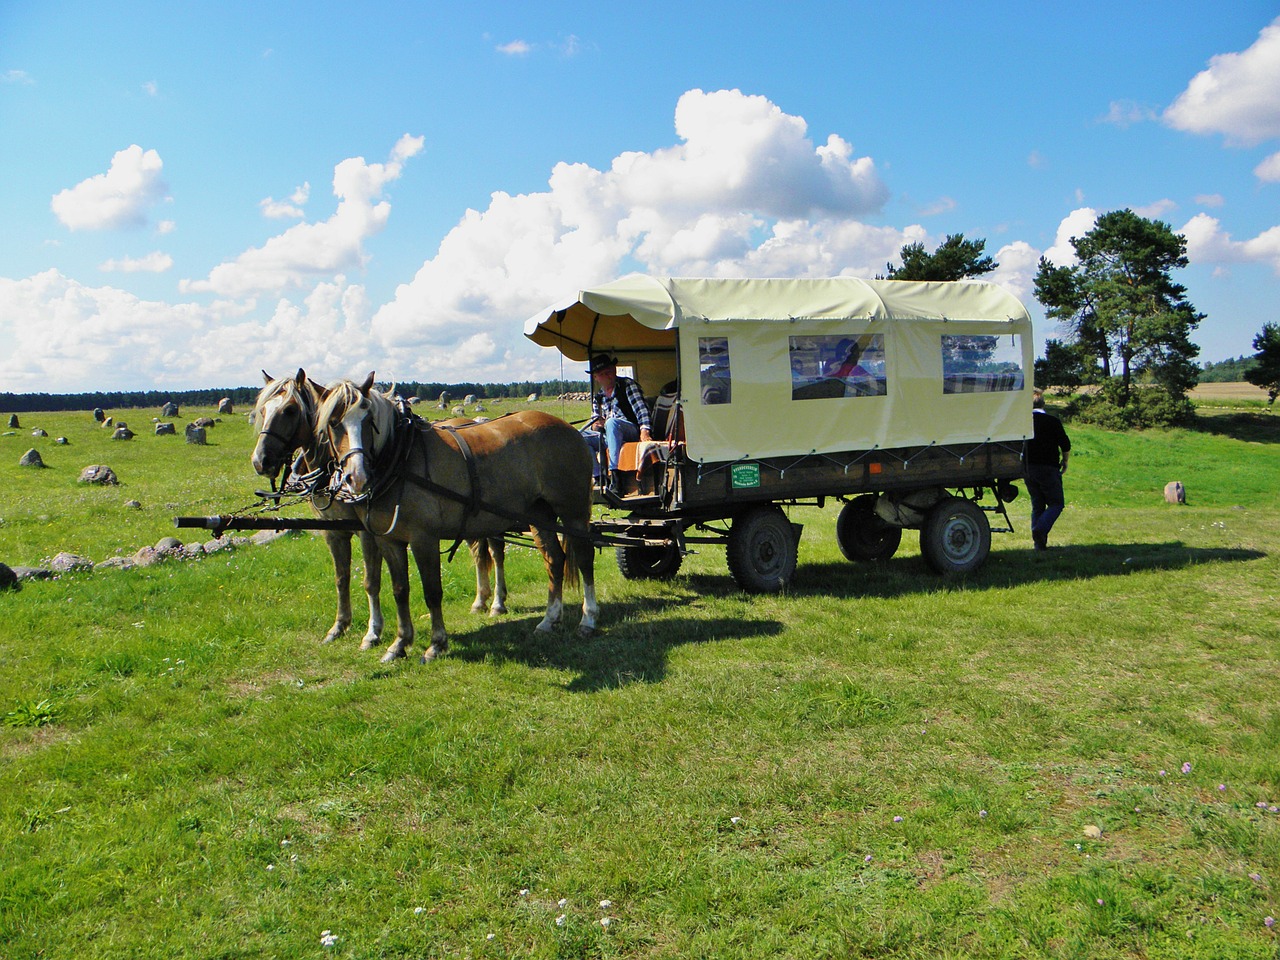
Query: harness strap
pixel 473 473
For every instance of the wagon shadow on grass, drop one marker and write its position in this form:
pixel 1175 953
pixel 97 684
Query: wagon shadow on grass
pixel 633 647
pixel 1010 568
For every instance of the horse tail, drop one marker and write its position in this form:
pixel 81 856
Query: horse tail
pixel 572 546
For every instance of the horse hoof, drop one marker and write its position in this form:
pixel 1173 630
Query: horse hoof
pixel 478 607
pixel 497 611
pixel 392 655
pixel 434 651
pixel 586 630
pixel 369 642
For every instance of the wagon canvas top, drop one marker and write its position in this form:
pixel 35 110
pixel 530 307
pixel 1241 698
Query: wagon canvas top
pixel 776 367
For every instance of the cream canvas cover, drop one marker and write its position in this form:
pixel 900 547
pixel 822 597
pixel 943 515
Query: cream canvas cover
pixel 918 329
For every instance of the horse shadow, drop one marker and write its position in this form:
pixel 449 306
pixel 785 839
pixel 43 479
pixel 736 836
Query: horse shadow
pixel 633 645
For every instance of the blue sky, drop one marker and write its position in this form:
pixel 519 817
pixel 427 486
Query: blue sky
pixel 191 192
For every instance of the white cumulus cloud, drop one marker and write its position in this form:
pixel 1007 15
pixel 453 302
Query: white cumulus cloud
pixel 1076 224
pixel 116 199
pixel 516 48
pixel 291 208
pixel 1208 243
pixel 744 192
pixel 309 252
pixel 1237 95
pixel 1268 171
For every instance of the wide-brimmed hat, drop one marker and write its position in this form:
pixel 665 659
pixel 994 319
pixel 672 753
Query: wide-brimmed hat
pixel 602 361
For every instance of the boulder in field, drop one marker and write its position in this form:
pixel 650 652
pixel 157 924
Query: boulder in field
pixel 8 579
pixel 13 421
pixel 70 563
pixel 31 459
pixel 1175 492
pixel 39 432
pixel 196 435
pixel 100 474
pixel 122 432
pixel 165 429
pixel 224 406
pixel 170 409
pixel 99 414
pixel 62 441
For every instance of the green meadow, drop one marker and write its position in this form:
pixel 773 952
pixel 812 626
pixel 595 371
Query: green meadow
pixel 1067 754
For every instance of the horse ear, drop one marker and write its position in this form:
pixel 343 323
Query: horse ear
pixel 267 377
pixel 368 384
pixel 301 378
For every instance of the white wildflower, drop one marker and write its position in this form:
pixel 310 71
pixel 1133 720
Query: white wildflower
pixel 560 920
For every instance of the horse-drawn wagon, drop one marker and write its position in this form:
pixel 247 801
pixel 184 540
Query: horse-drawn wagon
pixel 907 402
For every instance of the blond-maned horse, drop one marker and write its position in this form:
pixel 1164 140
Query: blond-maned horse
pixel 285 412
pixel 420 484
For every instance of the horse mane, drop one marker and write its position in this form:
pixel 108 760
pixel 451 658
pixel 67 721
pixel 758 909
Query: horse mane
pixel 342 395
pixel 287 387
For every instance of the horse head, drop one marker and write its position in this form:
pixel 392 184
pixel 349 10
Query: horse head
pixel 356 423
pixel 284 413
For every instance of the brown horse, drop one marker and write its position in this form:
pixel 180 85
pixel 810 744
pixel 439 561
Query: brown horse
pixel 285 412
pixel 420 484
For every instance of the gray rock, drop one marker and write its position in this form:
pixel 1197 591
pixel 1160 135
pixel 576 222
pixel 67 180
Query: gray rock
pixel 62 441
pixel 263 537
pixel 115 563
pixel 133 504
pixel 1175 492
pixel 69 563
pixel 99 414
pixel 32 573
pixel 13 421
pixel 224 406
pixel 195 548
pixel 533 398
pixel 39 432
pixel 8 579
pixel 31 459
pixel 168 544
pixel 109 422
pixel 122 432
pixel 99 473
pixel 205 422
pixel 166 429
pixel 170 409
pixel 196 435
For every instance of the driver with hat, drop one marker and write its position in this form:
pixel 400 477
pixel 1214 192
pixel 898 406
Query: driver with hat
pixel 619 413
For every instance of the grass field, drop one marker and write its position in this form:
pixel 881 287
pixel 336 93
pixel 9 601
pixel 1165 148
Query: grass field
pixel 1071 754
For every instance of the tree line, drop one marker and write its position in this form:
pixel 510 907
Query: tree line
pixel 243 397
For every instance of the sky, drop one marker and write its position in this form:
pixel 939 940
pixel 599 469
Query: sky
pixel 192 193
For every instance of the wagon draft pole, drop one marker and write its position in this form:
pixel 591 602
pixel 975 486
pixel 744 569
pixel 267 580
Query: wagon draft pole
pixel 907 402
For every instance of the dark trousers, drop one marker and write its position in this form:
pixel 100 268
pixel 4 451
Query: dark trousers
pixel 1044 484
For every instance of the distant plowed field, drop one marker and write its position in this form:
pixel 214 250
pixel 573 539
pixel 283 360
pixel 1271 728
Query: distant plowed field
pixel 1228 391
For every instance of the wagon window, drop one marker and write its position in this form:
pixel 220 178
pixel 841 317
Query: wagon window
pixel 981 364
pixel 713 362
pixel 837 366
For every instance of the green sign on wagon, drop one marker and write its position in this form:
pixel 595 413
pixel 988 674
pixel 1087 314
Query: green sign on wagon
pixel 745 475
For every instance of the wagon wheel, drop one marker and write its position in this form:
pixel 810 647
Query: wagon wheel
pixel 862 535
pixel 762 550
pixel 650 563
pixel 956 537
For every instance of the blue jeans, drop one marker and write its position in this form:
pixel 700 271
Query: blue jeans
pixel 617 431
pixel 1044 484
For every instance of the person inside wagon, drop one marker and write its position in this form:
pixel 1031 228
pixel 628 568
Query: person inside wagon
pixel 619 414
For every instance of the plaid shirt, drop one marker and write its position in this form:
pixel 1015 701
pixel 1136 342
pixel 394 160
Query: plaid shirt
pixel 608 407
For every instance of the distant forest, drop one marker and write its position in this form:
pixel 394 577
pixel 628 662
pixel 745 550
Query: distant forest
pixel 242 397
pixel 1227 371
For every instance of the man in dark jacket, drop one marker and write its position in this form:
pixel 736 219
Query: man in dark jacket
pixel 1047 453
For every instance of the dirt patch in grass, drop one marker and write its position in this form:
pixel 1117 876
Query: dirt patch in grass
pixel 1227 391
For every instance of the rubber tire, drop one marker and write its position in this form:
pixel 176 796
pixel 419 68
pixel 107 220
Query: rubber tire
pixel 762 550
pixel 956 536
pixel 862 535
pixel 649 563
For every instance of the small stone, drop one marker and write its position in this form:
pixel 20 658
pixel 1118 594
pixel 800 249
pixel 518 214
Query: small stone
pixel 1093 832
pixel 133 504
pixel 62 441
pixel 122 432
pixel 166 429
pixel 39 432
pixel 8 579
